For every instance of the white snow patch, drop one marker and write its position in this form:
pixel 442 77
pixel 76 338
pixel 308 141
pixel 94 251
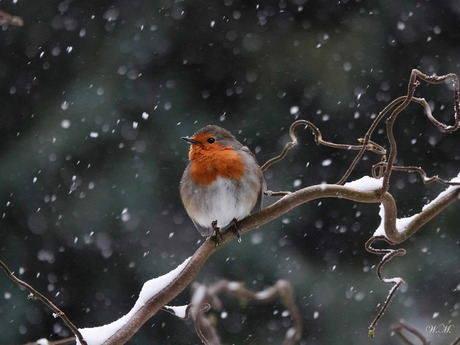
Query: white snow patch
pixel 43 341
pixel 99 335
pixel 395 280
pixel 179 311
pixel 365 183
pixel 403 223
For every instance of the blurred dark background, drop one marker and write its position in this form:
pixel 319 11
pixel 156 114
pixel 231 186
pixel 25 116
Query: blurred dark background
pixel 95 96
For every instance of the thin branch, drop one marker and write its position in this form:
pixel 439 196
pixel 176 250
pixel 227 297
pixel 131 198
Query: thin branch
pixel 34 294
pixel 412 85
pixel 369 145
pixel 399 104
pixel 204 295
pixel 437 80
pixel 203 327
pixel 388 254
pixel 377 173
pixel 367 137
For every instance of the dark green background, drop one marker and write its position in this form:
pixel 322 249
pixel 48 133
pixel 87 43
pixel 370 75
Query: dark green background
pixel 89 199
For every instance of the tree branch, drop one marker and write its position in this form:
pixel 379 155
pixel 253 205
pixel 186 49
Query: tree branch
pixel 204 296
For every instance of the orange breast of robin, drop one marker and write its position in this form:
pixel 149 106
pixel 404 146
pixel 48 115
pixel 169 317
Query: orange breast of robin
pixel 212 160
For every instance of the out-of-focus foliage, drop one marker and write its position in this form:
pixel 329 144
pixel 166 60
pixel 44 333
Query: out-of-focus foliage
pixel 95 96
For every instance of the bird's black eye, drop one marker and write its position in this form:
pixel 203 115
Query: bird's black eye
pixel 211 140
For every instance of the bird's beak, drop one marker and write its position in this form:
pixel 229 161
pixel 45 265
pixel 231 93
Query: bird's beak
pixel 190 140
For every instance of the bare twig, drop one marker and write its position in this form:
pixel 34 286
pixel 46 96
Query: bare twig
pixel 369 145
pixel 204 295
pixel 412 85
pixel 37 295
pixel 399 104
pixel 377 173
pixel 437 80
pixel 203 326
pixel 388 254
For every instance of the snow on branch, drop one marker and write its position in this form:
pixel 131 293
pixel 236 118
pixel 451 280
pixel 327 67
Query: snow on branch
pixel 100 335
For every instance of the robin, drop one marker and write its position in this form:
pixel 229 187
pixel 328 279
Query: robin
pixel 222 183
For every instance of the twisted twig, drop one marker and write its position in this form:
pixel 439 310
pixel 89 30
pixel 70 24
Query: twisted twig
pixel 369 145
pixel 388 254
pixel 203 295
pixel 378 168
pixel 399 104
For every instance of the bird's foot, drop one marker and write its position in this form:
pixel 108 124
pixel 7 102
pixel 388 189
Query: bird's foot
pixel 235 228
pixel 217 234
